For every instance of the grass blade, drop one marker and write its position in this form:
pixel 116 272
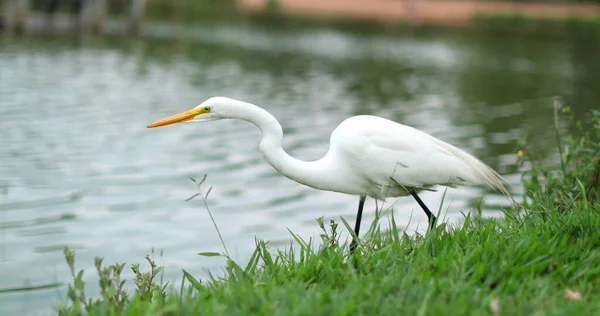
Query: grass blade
pixel 209 254
pixel 195 283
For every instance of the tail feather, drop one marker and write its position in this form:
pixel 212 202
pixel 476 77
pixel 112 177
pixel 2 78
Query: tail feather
pixel 484 174
pixel 480 173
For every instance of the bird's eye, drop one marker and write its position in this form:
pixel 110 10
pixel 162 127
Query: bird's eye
pixel 207 109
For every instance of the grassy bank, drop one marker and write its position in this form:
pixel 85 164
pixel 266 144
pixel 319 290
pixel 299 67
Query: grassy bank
pixel 524 23
pixel 541 259
pixel 191 11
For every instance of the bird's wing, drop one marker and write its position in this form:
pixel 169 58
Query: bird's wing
pixel 378 149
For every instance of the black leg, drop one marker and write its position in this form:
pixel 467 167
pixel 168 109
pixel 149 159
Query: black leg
pixel 430 215
pixel 361 204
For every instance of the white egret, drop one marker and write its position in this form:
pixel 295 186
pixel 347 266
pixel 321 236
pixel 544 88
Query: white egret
pixel 368 156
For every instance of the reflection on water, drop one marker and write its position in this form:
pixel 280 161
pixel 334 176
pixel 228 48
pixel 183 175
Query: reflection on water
pixel 79 168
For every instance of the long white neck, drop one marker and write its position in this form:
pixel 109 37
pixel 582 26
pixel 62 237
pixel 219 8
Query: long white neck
pixel 315 174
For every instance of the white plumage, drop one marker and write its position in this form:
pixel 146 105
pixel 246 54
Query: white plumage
pixel 375 149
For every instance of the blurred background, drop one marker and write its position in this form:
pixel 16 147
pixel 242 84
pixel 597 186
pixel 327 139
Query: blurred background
pixel 80 80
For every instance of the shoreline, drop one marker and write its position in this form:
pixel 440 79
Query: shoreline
pixel 433 12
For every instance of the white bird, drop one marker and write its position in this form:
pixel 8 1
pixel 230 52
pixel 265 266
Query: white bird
pixel 368 156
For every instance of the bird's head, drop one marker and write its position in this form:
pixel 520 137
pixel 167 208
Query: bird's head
pixel 215 108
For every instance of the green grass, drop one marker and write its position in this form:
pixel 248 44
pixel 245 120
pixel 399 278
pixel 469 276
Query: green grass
pixel 538 260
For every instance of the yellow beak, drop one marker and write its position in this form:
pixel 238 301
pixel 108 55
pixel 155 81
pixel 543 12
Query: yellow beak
pixel 177 118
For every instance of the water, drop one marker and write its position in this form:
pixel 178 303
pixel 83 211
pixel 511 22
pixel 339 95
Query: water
pixel 78 166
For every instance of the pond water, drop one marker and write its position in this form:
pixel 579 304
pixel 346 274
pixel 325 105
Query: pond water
pixel 78 166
